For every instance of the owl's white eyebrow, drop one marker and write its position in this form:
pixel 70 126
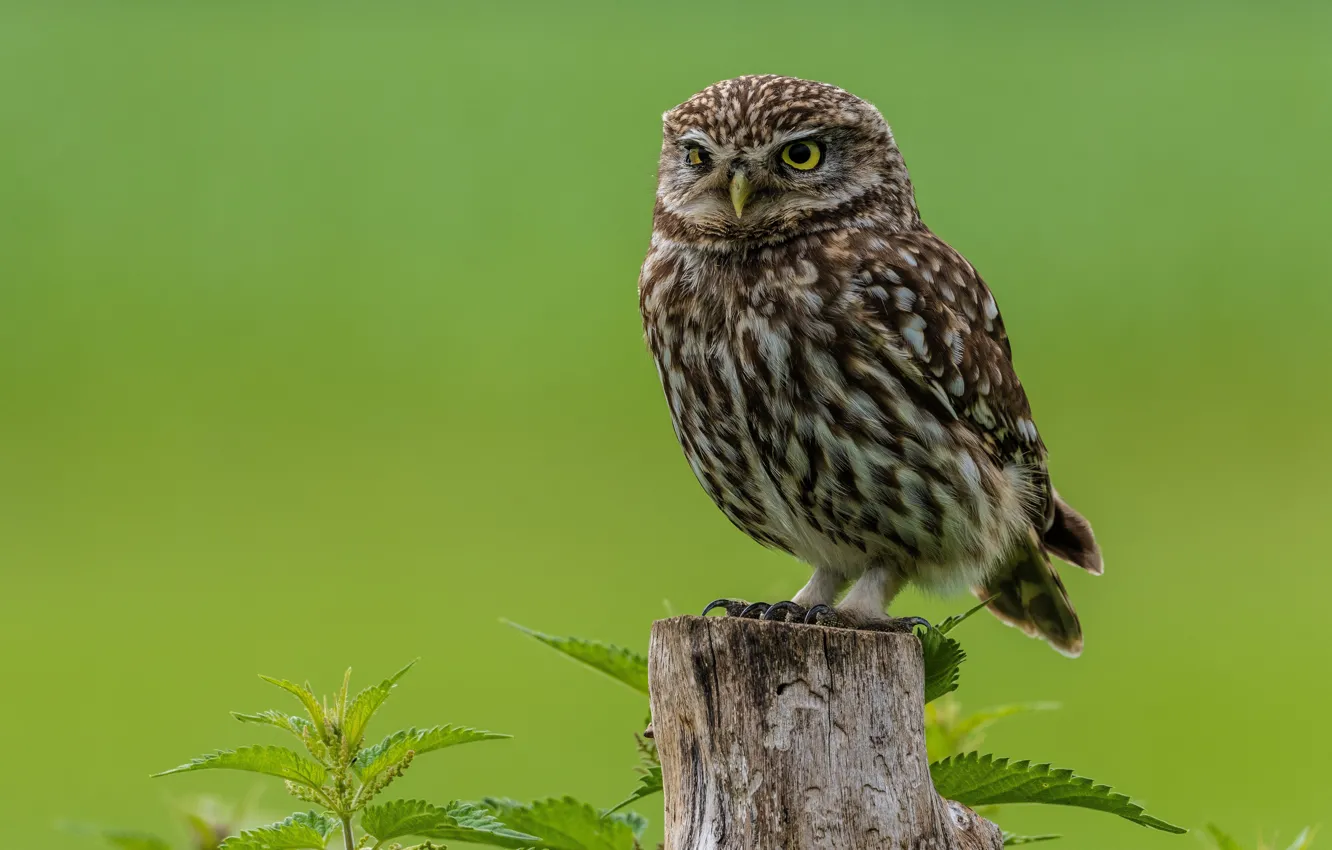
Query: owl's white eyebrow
pixel 697 135
pixel 801 133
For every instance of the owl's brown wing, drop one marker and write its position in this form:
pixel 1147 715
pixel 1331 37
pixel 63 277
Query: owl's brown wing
pixel 944 333
pixel 950 342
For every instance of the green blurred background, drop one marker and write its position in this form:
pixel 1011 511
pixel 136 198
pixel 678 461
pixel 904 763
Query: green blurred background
pixel 319 346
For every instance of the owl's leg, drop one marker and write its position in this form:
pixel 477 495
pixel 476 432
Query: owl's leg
pixel 864 607
pixel 821 589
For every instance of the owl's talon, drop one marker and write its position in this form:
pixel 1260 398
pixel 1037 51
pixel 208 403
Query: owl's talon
pixel 733 607
pixel 822 615
pixel 755 611
pixel 894 625
pixel 912 622
pixel 785 612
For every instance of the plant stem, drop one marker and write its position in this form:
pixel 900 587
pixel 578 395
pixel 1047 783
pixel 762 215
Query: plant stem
pixel 347 838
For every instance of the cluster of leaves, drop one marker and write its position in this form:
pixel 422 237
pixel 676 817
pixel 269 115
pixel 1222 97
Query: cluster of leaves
pixel 561 824
pixel 960 772
pixel 342 776
pixel 1223 841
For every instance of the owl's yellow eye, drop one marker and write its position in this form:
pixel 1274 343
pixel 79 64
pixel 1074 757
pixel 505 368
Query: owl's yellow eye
pixel 802 155
pixel 696 156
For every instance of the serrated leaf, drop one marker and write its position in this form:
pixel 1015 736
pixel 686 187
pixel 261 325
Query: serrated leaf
pixel 127 840
pixel 307 698
pixel 648 784
pixel 943 658
pixel 649 771
pixel 633 820
pixel 371 761
pixel 457 822
pixel 301 831
pixel 287 722
pixel 365 704
pixel 621 664
pixel 943 655
pixel 1011 840
pixel 1221 839
pixel 274 761
pixel 566 824
pixel 977 780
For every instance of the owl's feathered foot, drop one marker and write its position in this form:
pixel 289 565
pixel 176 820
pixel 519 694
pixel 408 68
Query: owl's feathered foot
pixel 819 615
pixel 826 615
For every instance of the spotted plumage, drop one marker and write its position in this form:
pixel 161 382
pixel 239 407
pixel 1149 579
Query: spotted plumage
pixel 839 377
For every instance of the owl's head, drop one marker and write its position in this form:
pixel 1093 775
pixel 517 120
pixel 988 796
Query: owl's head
pixel 761 159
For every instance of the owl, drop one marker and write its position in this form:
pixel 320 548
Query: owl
pixel 839 377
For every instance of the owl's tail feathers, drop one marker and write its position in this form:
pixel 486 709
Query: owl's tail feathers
pixel 1029 595
pixel 1070 538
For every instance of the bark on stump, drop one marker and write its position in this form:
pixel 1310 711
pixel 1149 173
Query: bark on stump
pixel 792 737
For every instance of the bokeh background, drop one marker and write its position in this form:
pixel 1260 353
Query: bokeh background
pixel 319 347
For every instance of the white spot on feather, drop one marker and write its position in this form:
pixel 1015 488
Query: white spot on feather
pixel 991 311
pixel 914 331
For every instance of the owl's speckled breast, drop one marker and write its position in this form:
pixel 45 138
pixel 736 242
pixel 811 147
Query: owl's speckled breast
pixel 793 413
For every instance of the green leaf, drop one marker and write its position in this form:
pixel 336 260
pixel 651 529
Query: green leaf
pixel 648 784
pixel 371 761
pixel 301 831
pixel 978 780
pixel 617 662
pixel 943 655
pixel 307 698
pixel 365 704
pixel 567 824
pixel 274 761
pixel 943 663
pixel 457 821
pixel 1011 840
pixel 954 621
pixel 633 820
pixel 1304 840
pixel 134 840
pixel 287 722
pixel 649 770
pixel 1221 839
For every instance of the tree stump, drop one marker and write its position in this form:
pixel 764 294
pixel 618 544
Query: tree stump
pixel 791 737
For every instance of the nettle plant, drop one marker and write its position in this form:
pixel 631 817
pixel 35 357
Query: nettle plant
pixel 959 770
pixel 343 778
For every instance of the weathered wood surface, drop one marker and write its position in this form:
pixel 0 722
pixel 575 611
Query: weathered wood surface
pixel 792 737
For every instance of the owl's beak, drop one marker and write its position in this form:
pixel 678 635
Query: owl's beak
pixel 740 191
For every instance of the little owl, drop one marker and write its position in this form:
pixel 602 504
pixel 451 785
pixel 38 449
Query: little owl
pixel 838 376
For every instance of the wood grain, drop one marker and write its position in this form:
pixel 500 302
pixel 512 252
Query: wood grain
pixel 791 737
